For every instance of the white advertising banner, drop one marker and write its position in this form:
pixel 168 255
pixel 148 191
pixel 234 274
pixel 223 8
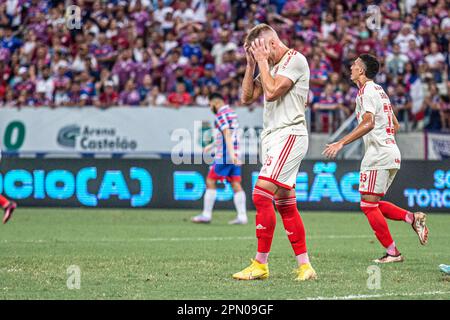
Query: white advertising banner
pixel 438 146
pixel 118 130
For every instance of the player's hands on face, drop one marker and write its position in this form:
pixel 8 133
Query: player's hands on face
pixel 260 50
pixel 331 150
pixel 250 59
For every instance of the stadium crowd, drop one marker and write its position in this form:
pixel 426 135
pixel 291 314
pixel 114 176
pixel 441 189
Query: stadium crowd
pixel 174 53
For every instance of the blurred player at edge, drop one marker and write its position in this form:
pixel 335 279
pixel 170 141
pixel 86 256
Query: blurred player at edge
pixel 226 162
pixel 284 81
pixel 377 125
pixel 8 206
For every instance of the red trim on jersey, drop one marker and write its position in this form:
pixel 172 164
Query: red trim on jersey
pixel 276 182
pixel 283 161
pixel 372 194
pixel 361 90
pixel 363 87
pixel 281 156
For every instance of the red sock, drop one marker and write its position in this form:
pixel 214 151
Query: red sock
pixel 293 224
pixel 3 201
pixel 377 222
pixel 265 218
pixel 391 211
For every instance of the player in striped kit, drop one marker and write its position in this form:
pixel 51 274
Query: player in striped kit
pixel 226 162
pixel 284 81
pixel 377 125
pixel 8 207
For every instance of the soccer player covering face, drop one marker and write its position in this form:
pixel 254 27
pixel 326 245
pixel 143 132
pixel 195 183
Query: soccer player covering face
pixel 226 165
pixel 377 125
pixel 284 82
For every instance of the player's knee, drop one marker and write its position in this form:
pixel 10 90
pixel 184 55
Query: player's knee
pixel 236 186
pixel 210 184
pixel 262 198
pixel 368 206
pixel 260 201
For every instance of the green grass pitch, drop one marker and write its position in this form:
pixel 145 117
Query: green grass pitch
pixel 159 254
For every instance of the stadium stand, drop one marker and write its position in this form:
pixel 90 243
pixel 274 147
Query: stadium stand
pixel 174 53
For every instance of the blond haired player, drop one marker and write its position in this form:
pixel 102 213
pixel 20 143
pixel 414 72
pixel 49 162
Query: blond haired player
pixel 284 82
pixel 377 125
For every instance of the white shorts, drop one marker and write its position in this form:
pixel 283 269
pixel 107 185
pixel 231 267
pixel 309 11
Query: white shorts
pixel 376 182
pixel 282 154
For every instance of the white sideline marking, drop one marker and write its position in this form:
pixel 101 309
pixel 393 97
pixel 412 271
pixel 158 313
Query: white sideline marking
pixel 381 295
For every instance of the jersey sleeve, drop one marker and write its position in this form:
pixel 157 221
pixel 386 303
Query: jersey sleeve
pixel 222 122
pixel 368 104
pixel 293 68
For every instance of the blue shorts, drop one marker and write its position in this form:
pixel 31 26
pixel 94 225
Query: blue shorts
pixel 230 172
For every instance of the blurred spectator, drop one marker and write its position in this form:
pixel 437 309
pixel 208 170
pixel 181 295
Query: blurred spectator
pixel 202 96
pixel 124 68
pixel 435 60
pixel 109 97
pixel 328 107
pixel 396 61
pixel 445 114
pixel 194 70
pixel 401 104
pixel 145 88
pixel 221 47
pixel 192 47
pixel 130 95
pixel 404 38
pixel 415 90
pixel 318 78
pixel 155 98
pixel 45 83
pixel 209 79
pixel 432 108
pixel 333 52
pixel 180 97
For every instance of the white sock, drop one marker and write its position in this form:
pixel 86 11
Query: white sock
pixel 239 200
pixel 208 202
pixel 302 258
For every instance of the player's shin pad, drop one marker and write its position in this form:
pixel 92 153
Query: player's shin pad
pixel 265 218
pixel 293 224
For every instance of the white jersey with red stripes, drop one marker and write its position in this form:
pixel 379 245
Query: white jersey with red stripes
pixel 288 111
pixel 381 151
pixel 284 140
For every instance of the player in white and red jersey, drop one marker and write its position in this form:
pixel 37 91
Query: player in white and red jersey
pixel 284 82
pixel 377 125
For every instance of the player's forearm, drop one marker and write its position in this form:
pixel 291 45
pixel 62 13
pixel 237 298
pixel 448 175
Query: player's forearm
pixel 209 147
pixel 248 85
pixel 361 130
pixel 396 124
pixel 229 143
pixel 267 81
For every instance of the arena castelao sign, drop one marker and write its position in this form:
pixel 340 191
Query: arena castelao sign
pixel 94 139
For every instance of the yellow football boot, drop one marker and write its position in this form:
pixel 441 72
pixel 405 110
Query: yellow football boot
pixel 255 271
pixel 305 272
